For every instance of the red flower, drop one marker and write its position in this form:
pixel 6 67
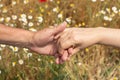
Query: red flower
pixel 42 0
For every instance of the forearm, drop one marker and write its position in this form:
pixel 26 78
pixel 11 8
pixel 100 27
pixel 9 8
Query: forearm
pixel 109 36
pixel 14 36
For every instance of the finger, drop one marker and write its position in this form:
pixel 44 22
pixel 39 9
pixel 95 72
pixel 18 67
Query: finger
pixel 70 50
pixel 58 35
pixel 57 60
pixel 65 56
pixel 75 50
pixel 60 28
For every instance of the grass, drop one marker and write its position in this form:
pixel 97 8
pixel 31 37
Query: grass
pixel 97 62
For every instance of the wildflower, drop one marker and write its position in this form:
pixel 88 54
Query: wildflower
pixel 14 17
pixel 51 61
pixel 42 0
pixel 87 50
pixel 20 61
pixel 25 49
pixel 30 24
pixel 2 45
pixel 106 18
pixel 39 59
pixel 55 9
pixel 114 9
pixel 58 2
pixel 68 20
pixel 13 64
pixel 26 1
pixel 32 29
pixel 29 55
pixel 93 0
pixel 102 12
pixel 7 19
pixel 41 9
pixel 40 19
pixel 1 19
pixel 83 23
pixel 0 71
pixel 14 49
pixel 23 15
pixel 60 16
pixel 108 10
pixel 1 5
pixel 14 2
pixel 30 17
pixel 72 5
pixel 79 64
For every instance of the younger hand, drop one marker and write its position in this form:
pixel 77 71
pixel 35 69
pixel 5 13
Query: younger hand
pixel 74 39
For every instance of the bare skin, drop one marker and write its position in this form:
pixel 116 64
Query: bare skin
pixel 75 39
pixel 42 42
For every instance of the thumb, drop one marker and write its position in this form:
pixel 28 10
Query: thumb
pixel 60 28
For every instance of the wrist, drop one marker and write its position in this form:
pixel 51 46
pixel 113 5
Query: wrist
pixel 29 39
pixel 100 34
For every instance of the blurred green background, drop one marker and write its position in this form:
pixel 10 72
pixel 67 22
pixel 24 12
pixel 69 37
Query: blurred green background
pixel 97 62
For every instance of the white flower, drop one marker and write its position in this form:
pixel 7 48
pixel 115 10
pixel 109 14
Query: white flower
pixel 114 9
pixel 1 5
pixel 55 9
pixel 102 12
pixel 7 19
pixel 13 64
pixel 110 19
pixel 23 19
pixel 0 57
pixel 32 29
pixel 68 20
pixel 14 17
pixel 23 15
pixel 2 45
pixel 79 64
pixel 40 19
pixel 94 0
pixel 30 17
pixel 30 24
pixel 2 19
pixel 0 71
pixel 106 18
pixel 25 49
pixel 12 25
pixel 15 49
pixel 21 62
pixel 14 2
pixel 39 59
pixel 26 1
pixel 29 55
pixel 60 16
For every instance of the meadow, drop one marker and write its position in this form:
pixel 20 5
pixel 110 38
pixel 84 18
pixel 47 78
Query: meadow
pixel 98 62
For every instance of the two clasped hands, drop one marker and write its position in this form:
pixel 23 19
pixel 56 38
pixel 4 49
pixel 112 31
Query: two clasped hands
pixel 60 42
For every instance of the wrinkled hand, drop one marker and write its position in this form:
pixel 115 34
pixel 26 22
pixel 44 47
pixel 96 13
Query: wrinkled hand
pixel 44 42
pixel 74 39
